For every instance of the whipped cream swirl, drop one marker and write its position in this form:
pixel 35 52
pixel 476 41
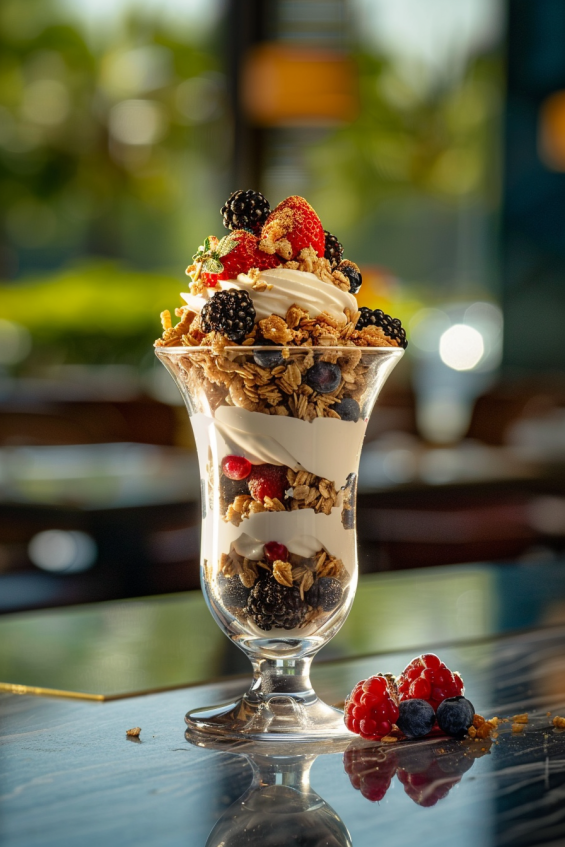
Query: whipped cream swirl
pixel 289 287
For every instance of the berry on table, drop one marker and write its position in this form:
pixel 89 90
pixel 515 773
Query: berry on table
pixel 267 481
pixel 333 250
pixel 392 327
pixel 268 358
pixel 295 221
pixel 273 551
pixel 272 605
pixel 428 678
pixel 245 210
pixel 324 594
pixel 371 710
pixel 348 409
pixel 353 274
pixel 233 592
pixel 455 716
pixel 416 718
pixel 231 313
pixel 323 377
pixel 236 467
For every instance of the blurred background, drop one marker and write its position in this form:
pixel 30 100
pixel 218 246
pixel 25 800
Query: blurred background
pixel 429 137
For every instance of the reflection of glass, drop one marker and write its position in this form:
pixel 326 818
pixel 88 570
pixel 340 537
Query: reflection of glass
pixel 279 808
pixel 428 770
pixel 279 561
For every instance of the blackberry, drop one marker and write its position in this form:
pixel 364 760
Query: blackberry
pixel 390 326
pixel 272 605
pixel 416 718
pixel 232 591
pixel 230 313
pixel 353 274
pixel 333 251
pixel 325 593
pixel 245 210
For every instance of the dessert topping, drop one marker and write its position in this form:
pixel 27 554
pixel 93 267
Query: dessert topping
pixel 267 481
pixel 292 226
pixel 245 210
pixel 229 312
pixel 333 250
pixel 236 467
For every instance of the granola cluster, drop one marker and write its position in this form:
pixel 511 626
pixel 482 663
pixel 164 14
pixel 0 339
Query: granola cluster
pixel 301 576
pixel 233 380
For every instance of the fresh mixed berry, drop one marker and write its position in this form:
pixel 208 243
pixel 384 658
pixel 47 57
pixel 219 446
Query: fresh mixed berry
pixel 295 221
pixel 325 594
pixel 272 605
pixel 455 716
pixel 416 718
pixel 231 313
pixel 323 377
pixel 353 274
pixel 267 481
pixel 371 710
pixel 428 678
pixel 392 327
pixel 245 210
pixel 275 551
pixel 236 467
pixel 348 409
pixel 233 592
pixel 268 358
pixel 333 250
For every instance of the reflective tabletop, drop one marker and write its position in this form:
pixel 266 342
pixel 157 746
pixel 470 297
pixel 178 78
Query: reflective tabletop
pixel 69 774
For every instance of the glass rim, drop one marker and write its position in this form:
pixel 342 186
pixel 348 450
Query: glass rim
pixel 292 349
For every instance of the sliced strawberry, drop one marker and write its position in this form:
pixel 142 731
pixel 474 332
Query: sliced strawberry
pixel 293 221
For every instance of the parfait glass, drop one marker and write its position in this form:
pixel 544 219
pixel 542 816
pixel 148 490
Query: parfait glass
pixel 279 433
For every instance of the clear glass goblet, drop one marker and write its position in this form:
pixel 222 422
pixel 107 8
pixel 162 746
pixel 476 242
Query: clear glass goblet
pixel 279 433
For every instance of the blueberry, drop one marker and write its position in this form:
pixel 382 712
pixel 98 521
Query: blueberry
pixel 353 274
pixel 416 718
pixel 455 716
pixel 323 377
pixel 348 409
pixel 268 358
pixel 325 593
pixel 232 591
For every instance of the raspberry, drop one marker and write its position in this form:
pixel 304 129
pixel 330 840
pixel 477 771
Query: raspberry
pixel 428 678
pixel 296 221
pixel 236 467
pixel 236 253
pixel 273 551
pixel 369 772
pixel 267 481
pixel 371 709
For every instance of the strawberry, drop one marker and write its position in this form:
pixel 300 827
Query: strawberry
pixel 293 221
pixel 236 253
pixel 267 481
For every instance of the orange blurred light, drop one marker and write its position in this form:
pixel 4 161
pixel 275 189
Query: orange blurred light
pixel 284 85
pixel 551 131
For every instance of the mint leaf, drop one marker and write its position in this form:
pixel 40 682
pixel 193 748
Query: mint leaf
pixel 226 245
pixel 212 266
pixel 206 245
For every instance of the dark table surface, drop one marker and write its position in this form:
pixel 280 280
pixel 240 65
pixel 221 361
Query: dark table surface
pixel 69 775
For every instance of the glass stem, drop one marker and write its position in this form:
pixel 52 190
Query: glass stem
pixel 281 678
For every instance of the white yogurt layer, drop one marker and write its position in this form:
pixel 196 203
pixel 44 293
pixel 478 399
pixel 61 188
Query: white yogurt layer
pixel 327 447
pixel 303 532
pixel 289 287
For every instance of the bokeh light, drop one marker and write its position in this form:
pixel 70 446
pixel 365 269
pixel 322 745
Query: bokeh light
pixel 59 551
pixel 461 347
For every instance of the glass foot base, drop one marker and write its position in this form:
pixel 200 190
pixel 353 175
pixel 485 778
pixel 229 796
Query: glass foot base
pixel 276 718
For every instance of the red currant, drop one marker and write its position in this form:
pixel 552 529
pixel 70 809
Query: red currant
pixel 236 467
